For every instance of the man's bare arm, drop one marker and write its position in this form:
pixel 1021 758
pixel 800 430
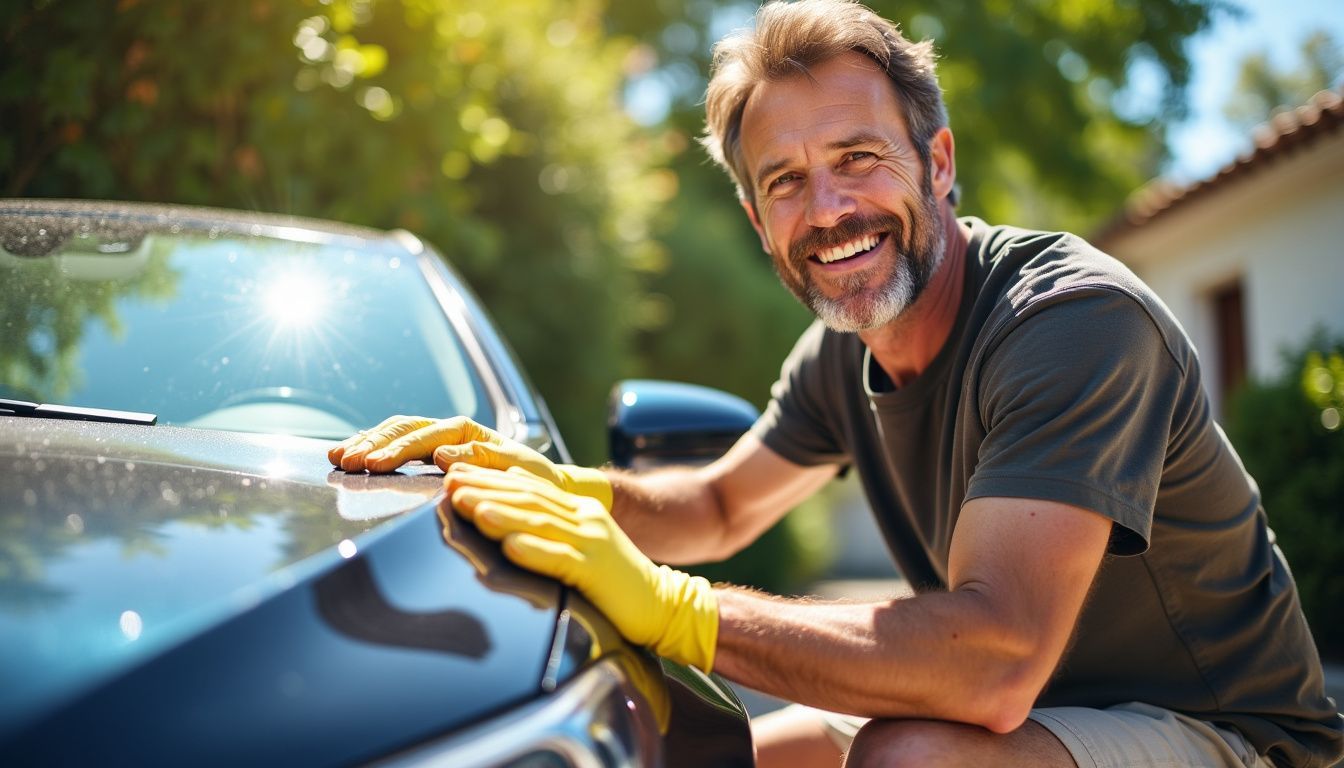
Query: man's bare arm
pixel 695 515
pixel 979 653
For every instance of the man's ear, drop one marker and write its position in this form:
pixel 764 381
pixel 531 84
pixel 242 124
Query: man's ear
pixel 943 158
pixel 750 208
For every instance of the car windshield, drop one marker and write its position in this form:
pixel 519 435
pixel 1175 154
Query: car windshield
pixel 234 327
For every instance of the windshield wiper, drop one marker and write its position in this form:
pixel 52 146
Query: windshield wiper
pixel 42 411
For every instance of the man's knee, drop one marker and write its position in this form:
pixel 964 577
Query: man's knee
pixel 896 743
pixel 940 744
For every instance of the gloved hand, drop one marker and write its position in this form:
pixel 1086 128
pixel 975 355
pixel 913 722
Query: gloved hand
pixel 449 441
pixel 350 453
pixel 573 539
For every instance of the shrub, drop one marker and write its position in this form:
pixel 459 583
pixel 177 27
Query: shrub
pixel 1288 433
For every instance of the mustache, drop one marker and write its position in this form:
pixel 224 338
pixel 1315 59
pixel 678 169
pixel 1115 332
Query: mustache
pixel 855 226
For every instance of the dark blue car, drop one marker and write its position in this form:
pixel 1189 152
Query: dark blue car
pixel 185 580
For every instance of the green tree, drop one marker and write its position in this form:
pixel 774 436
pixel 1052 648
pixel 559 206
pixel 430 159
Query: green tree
pixel 1263 89
pixel 494 130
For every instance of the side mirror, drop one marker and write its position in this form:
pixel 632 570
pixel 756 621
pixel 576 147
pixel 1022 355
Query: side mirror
pixel 654 423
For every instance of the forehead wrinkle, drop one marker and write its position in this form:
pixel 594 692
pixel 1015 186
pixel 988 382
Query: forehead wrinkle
pixel 860 105
pixel 859 137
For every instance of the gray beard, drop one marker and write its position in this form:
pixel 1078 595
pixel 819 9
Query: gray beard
pixel 859 308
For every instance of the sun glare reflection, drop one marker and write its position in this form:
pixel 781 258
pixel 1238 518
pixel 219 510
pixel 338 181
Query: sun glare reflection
pixel 295 301
pixel 279 468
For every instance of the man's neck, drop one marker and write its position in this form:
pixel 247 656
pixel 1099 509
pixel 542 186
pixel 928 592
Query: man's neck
pixel 906 346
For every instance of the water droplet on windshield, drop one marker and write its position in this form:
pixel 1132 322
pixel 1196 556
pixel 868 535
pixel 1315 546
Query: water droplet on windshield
pixel 131 625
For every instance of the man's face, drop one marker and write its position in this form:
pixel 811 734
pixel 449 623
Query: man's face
pixel 844 205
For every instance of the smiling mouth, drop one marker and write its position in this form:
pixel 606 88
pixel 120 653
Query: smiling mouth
pixel 859 246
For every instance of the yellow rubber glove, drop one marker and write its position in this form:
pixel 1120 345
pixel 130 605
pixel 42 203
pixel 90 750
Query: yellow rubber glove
pixel 573 539
pixel 459 440
pixel 350 453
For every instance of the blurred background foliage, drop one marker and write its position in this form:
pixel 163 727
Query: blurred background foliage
pixel 547 146
pixel 1288 432
pixel 1263 89
pixel 605 245
pixel 496 134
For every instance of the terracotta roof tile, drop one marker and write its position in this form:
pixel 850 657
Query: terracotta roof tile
pixel 1284 133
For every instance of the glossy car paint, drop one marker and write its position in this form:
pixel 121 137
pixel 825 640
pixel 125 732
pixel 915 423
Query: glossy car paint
pixel 655 423
pixel 404 631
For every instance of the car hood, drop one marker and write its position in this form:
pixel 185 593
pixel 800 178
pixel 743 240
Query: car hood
pixel 122 546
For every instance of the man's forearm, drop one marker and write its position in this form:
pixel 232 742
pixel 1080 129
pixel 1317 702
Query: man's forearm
pixel 703 514
pixel 942 655
pixel 672 515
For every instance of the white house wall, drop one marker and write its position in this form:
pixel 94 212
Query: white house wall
pixel 1280 229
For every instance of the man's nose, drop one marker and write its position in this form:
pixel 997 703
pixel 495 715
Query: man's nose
pixel 829 202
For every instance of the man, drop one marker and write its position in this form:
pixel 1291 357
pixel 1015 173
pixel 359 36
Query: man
pixel 1096 583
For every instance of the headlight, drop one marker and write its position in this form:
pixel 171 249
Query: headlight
pixel 596 720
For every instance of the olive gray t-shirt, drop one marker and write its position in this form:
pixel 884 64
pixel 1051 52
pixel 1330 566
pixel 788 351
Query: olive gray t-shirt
pixel 1066 379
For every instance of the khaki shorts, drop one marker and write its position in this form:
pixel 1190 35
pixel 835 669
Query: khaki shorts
pixel 1123 736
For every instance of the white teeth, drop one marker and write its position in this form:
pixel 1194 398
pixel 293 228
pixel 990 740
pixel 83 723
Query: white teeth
pixel 845 250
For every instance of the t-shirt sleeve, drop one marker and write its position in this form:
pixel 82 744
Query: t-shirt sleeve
pixel 799 423
pixel 1077 402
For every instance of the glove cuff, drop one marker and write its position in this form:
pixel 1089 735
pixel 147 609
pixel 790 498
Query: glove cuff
pixel 586 481
pixel 691 633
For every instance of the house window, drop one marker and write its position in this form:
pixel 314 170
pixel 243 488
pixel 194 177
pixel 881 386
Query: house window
pixel 1230 336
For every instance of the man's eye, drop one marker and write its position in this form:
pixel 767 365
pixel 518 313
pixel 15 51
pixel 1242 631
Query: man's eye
pixel 859 156
pixel 780 181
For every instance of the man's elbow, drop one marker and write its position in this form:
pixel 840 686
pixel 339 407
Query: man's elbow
pixel 1018 656
pixel 1006 713
pixel 1012 685
pixel 1010 698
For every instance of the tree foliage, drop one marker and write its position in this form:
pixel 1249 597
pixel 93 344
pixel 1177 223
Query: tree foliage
pixel 1263 89
pixel 1287 431
pixel 494 131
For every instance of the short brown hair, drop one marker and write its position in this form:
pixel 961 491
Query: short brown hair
pixel 788 38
